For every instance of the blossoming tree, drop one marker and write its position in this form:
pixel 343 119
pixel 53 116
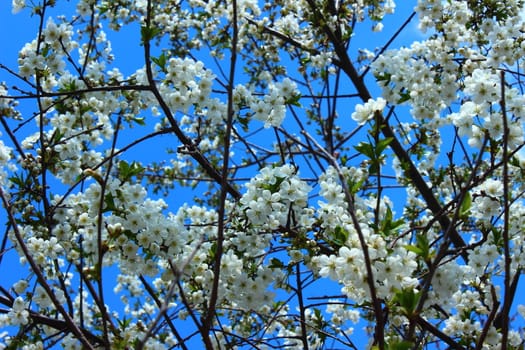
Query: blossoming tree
pixel 256 181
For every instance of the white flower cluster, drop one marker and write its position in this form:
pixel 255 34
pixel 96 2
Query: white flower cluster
pixel 480 115
pixel 243 291
pixel 341 314
pixel 483 87
pixel 186 83
pixel 273 196
pixel 136 223
pixel 406 77
pixel 18 5
pixel 333 211
pixel 5 157
pixel 364 113
pixel 458 326
pixel 392 272
pixel 270 109
pixel 57 38
pixel 446 281
pixel 18 315
pixel 288 25
pixel 84 122
pixel 487 198
pixel 6 104
pixel 427 74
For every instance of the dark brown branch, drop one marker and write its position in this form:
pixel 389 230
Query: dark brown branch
pixel 370 280
pixel 70 323
pixel 163 309
pixel 187 142
pixel 434 265
pixel 212 304
pixel 503 318
pixel 59 325
pixel 100 218
pixel 488 324
pixel 439 334
pixel 42 94
pixel 302 310
pixel 390 41
pixel 412 172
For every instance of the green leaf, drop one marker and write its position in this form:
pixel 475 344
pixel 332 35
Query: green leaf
pixel 423 243
pixel 160 61
pixel 19 181
pixel 294 100
pixel 109 201
pixel 45 51
pixel 383 144
pixel 127 171
pixel 148 33
pixel 318 313
pixel 124 323
pixel 102 10
pixel 365 149
pixel 497 235
pixel 513 161
pixel 400 345
pixel 244 122
pixel 57 137
pixel 339 236
pixel 139 120
pixel 403 97
pixel 466 204
pixel 408 300
pixel 414 249
pixel 388 224
pixel 421 248
pixel 274 187
pixel 276 264
pixel 384 77
pixel 373 152
pixel 355 186
pixel 213 250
